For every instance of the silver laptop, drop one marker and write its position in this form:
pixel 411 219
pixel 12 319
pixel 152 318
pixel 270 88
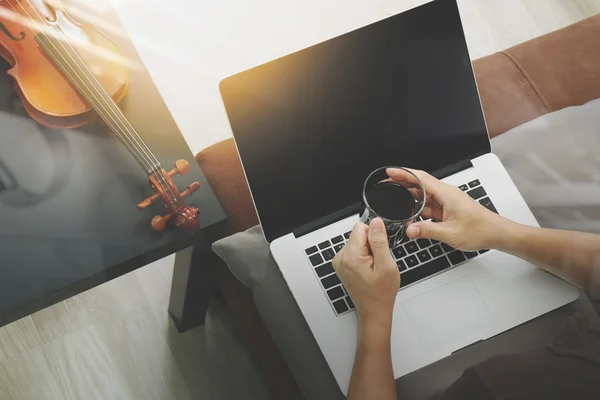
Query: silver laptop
pixel 310 127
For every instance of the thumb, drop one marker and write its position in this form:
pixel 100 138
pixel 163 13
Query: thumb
pixel 427 230
pixel 378 240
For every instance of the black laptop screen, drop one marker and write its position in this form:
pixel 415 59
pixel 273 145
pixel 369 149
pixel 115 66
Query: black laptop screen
pixel 312 125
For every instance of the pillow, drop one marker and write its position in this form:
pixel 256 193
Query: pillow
pixel 248 257
pixel 555 163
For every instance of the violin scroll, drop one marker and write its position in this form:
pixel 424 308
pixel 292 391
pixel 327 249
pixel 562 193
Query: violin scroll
pixel 184 217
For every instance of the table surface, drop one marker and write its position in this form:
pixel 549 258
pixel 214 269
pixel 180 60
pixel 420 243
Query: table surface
pixel 68 197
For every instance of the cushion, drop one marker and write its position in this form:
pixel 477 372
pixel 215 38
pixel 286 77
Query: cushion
pixel 540 158
pixel 248 257
pixel 546 74
pixel 555 162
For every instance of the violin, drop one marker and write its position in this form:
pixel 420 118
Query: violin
pixel 67 74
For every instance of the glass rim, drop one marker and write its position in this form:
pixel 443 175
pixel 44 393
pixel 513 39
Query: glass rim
pixel 415 215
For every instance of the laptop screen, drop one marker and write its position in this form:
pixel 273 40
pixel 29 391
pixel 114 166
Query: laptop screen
pixel 312 125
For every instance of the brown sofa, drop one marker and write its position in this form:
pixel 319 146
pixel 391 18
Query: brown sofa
pixel 517 85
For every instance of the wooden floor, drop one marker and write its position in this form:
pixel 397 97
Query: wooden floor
pixel 116 341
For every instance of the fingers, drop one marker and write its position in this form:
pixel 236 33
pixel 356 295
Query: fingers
pixel 428 230
pixel 432 185
pixel 356 245
pixel 432 211
pixel 378 240
pixel 358 236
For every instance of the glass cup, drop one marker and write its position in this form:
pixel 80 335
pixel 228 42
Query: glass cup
pixel 398 204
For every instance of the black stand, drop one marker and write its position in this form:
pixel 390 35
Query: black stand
pixel 194 279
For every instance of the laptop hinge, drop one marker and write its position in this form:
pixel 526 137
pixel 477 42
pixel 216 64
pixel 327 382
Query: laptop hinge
pixel 453 169
pixel 327 220
pixel 356 208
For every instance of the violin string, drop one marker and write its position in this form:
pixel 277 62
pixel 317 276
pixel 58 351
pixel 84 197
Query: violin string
pixel 75 83
pixel 141 156
pixel 121 118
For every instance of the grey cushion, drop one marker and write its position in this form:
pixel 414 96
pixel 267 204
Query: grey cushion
pixel 555 162
pixel 560 192
pixel 247 255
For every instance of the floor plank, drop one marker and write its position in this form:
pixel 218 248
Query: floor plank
pixel 27 377
pixel 83 368
pixel 144 360
pixel 18 337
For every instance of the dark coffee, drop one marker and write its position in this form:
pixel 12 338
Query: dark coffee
pixel 391 201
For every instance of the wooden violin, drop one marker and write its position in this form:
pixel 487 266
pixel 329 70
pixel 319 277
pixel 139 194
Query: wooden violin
pixel 66 74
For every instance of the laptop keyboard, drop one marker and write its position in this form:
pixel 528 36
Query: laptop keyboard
pixel 416 259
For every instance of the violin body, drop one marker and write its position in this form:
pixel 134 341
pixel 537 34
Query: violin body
pixel 67 74
pixel 45 92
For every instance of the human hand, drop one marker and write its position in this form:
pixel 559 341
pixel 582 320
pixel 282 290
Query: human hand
pixel 368 271
pixel 462 222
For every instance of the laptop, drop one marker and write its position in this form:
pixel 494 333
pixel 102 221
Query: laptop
pixel 310 127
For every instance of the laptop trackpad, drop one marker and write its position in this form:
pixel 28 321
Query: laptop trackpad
pixel 448 312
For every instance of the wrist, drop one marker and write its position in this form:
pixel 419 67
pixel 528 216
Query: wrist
pixel 508 235
pixel 375 328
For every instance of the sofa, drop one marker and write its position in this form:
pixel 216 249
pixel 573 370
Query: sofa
pixel 546 74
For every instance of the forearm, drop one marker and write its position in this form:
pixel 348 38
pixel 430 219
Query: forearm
pixel 373 375
pixel 573 256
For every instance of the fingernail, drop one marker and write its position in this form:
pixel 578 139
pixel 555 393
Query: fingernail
pixel 413 231
pixel 376 225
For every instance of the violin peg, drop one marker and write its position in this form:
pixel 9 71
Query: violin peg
pixel 148 201
pixel 160 222
pixel 182 167
pixel 191 189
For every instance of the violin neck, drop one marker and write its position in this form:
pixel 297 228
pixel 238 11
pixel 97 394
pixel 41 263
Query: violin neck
pixel 87 85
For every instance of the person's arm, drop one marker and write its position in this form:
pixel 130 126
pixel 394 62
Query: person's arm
pixel 466 225
pixel 370 275
pixel 372 374
pixel 573 256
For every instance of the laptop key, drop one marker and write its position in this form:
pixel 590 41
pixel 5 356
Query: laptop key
pixel 464 188
pixel 423 243
pixel 311 250
pixel 425 270
pixel 456 257
pixel 328 254
pixel 316 259
pixel 335 293
pixel 487 203
pixel 340 306
pixel 447 248
pixel 324 245
pixel 474 183
pixel 399 252
pixel 401 266
pixel 411 261
pixel 436 251
pixel 330 281
pixel 347 235
pixel 424 256
pixel 477 193
pixel 470 254
pixel 337 239
pixel 324 270
pixel 338 247
pixel 350 303
pixel 411 247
